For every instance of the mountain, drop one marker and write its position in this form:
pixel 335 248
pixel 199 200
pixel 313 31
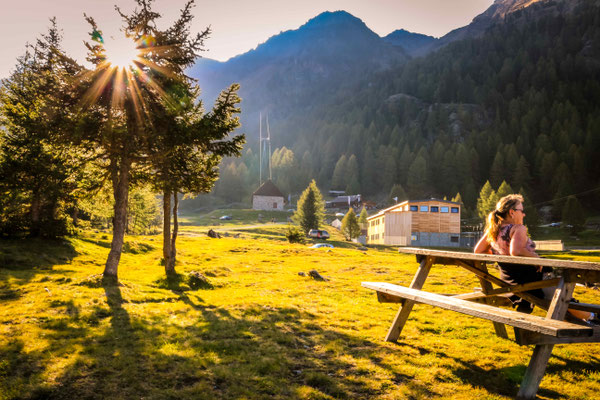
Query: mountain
pixel 514 96
pixel 494 14
pixel 412 43
pixel 296 69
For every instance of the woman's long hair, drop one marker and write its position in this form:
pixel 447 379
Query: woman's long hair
pixel 496 217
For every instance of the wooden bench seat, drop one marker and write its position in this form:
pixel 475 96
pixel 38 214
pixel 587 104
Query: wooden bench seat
pixel 541 325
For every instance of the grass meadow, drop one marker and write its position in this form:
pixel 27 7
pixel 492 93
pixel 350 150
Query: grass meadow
pixel 260 330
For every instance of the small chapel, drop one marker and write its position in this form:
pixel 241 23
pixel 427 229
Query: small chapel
pixel 267 197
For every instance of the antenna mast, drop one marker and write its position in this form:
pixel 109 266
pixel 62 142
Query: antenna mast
pixel 265 147
pixel 259 149
pixel 269 140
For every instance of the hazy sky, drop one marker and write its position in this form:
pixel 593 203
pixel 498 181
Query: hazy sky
pixel 237 25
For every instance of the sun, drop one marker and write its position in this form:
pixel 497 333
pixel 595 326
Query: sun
pixel 121 52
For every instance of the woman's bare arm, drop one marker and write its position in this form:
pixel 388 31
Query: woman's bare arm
pixel 483 246
pixel 518 242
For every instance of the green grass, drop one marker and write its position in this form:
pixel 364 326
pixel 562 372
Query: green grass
pixel 239 217
pixel 259 330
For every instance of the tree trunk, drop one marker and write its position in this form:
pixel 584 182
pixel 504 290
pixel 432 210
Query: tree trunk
pixel 120 193
pixel 36 205
pixel 75 215
pixel 167 254
pixel 175 230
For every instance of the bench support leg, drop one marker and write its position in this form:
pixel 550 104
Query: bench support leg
pixel 406 308
pixel 486 287
pixel 541 353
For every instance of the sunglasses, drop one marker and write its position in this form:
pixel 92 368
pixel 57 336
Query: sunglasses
pixel 519 209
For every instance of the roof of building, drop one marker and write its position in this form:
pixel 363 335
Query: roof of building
pixel 344 199
pixel 268 189
pixel 405 202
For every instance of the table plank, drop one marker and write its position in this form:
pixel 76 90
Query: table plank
pixel 544 262
pixel 534 323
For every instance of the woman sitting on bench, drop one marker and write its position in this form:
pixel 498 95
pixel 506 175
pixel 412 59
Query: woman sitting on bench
pixel 506 235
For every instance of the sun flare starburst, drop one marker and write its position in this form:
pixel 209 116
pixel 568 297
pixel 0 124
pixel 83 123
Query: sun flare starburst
pixel 121 52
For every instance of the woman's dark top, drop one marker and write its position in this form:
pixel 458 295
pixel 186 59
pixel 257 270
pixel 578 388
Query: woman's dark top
pixel 516 273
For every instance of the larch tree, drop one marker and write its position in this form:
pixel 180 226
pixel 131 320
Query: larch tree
pixel 310 212
pixel 484 206
pixel 362 219
pixel 186 144
pixel 350 226
pixel 142 116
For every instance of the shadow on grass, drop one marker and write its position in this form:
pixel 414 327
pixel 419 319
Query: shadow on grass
pixel 504 381
pixel 23 259
pixel 197 350
pixel 252 352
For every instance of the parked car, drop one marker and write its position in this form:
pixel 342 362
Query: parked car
pixel 340 214
pixel 319 245
pixel 318 234
pixel 225 218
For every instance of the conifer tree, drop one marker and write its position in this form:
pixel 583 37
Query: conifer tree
pixel 504 190
pixel 497 170
pixel 38 177
pixel 338 180
pixel 572 215
pixel 398 193
pixel 362 219
pixel 532 219
pixel 486 196
pixel 144 118
pixel 417 177
pixel 310 212
pixel 350 226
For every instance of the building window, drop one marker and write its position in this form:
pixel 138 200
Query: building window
pixel 424 208
pixel 444 209
pixel 454 210
pixel 454 239
pixel 414 208
pixel 434 209
pixel 414 236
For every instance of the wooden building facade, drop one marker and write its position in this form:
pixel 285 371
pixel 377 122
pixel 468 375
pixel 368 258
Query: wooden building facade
pixel 430 222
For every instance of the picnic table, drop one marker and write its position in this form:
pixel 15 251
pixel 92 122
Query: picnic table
pixel 557 327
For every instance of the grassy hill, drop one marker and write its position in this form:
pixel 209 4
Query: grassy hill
pixel 260 330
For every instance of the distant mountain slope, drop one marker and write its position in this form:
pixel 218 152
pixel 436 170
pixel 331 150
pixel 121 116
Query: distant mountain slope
pixel 412 43
pixel 495 13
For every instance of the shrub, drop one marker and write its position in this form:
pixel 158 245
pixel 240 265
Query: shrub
pixel 295 235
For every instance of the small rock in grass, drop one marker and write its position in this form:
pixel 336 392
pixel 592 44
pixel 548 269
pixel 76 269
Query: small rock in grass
pixel 198 281
pixel 315 275
pixel 213 234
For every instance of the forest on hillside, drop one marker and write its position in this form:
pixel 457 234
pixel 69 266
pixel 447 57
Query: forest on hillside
pixel 520 103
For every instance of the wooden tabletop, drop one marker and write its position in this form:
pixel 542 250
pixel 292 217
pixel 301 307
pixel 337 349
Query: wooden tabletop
pixel 544 262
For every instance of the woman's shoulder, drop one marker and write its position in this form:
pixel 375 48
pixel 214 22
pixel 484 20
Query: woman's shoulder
pixel 518 228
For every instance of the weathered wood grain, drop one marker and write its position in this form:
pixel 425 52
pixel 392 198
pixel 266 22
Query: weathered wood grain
pixel 545 262
pixel 534 323
pixel 406 308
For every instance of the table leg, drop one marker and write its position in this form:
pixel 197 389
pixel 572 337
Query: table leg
pixel 486 287
pixel 406 308
pixel 541 353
